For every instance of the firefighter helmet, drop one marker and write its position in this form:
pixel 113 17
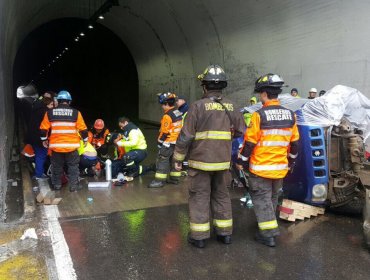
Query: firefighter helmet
pixel 64 95
pixel 213 73
pixel 99 124
pixel 268 81
pixel 165 97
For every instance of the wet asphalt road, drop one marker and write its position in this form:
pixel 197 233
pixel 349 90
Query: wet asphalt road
pixel 151 244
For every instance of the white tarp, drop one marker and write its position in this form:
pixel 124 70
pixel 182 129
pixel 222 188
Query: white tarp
pixel 329 109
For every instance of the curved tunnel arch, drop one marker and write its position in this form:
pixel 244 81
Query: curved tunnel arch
pixel 98 70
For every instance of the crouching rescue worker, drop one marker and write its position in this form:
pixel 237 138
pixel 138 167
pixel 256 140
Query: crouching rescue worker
pixel 269 150
pixel 97 137
pixel 205 139
pixel 171 124
pixel 88 159
pixel 134 144
pixel 64 124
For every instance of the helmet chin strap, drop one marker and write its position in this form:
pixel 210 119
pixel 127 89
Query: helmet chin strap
pixel 204 89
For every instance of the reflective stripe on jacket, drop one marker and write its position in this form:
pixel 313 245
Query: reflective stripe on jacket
pixel 133 138
pixel 63 124
pixel 271 130
pixel 171 125
pixel 28 151
pixel 206 135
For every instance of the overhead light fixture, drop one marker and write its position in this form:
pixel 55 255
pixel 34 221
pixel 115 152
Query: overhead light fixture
pixel 82 34
pixel 101 17
pixel 66 48
pixel 76 39
pixel 90 26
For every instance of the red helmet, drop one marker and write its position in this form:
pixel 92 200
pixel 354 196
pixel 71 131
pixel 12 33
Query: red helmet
pixel 99 124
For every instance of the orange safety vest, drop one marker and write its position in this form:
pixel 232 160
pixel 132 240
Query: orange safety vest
pixel 171 125
pixel 98 139
pixel 65 124
pixel 271 130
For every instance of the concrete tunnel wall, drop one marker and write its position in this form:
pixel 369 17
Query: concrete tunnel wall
pixel 310 43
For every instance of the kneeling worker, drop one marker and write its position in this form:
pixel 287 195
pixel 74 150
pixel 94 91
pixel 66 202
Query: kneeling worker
pixel 134 142
pixel 97 137
pixel 88 158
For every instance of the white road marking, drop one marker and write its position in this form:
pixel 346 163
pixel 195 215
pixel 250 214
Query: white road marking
pixel 63 260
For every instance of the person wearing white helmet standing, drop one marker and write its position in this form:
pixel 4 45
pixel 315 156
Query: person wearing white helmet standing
pixel 312 93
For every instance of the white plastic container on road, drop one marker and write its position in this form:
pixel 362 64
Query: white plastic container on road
pixel 98 184
pixel 108 170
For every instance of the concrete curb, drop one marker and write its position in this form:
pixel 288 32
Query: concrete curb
pixel 29 204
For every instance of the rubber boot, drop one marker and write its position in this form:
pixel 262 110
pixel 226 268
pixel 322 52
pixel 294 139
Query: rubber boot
pixel 268 241
pixel 156 184
pixel 173 180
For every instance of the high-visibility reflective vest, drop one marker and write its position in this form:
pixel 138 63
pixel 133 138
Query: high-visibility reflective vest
pixel 97 139
pixel 133 139
pixel 171 125
pixel 88 151
pixel 63 124
pixel 247 118
pixel 271 130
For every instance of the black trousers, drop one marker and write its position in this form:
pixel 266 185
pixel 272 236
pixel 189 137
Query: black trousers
pixel 163 164
pixel 58 161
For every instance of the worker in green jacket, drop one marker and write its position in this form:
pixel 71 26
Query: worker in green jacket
pixel 247 115
pixel 133 140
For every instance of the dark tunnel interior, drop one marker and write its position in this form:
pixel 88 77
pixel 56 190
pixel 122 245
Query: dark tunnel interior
pixel 98 70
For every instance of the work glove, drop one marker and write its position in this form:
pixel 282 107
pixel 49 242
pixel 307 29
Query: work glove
pixel 291 164
pixel 242 162
pixel 177 165
pixel 45 143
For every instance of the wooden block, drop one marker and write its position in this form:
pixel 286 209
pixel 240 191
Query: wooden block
pixel 39 197
pixel 56 201
pixel 292 210
pixel 47 201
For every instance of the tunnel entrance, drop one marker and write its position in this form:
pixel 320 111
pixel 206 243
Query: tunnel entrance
pixel 98 69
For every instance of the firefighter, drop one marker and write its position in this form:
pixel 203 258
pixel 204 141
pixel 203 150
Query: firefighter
pixel 205 140
pixel 134 144
pixel 64 124
pixel 171 124
pixel 270 149
pixel 97 136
